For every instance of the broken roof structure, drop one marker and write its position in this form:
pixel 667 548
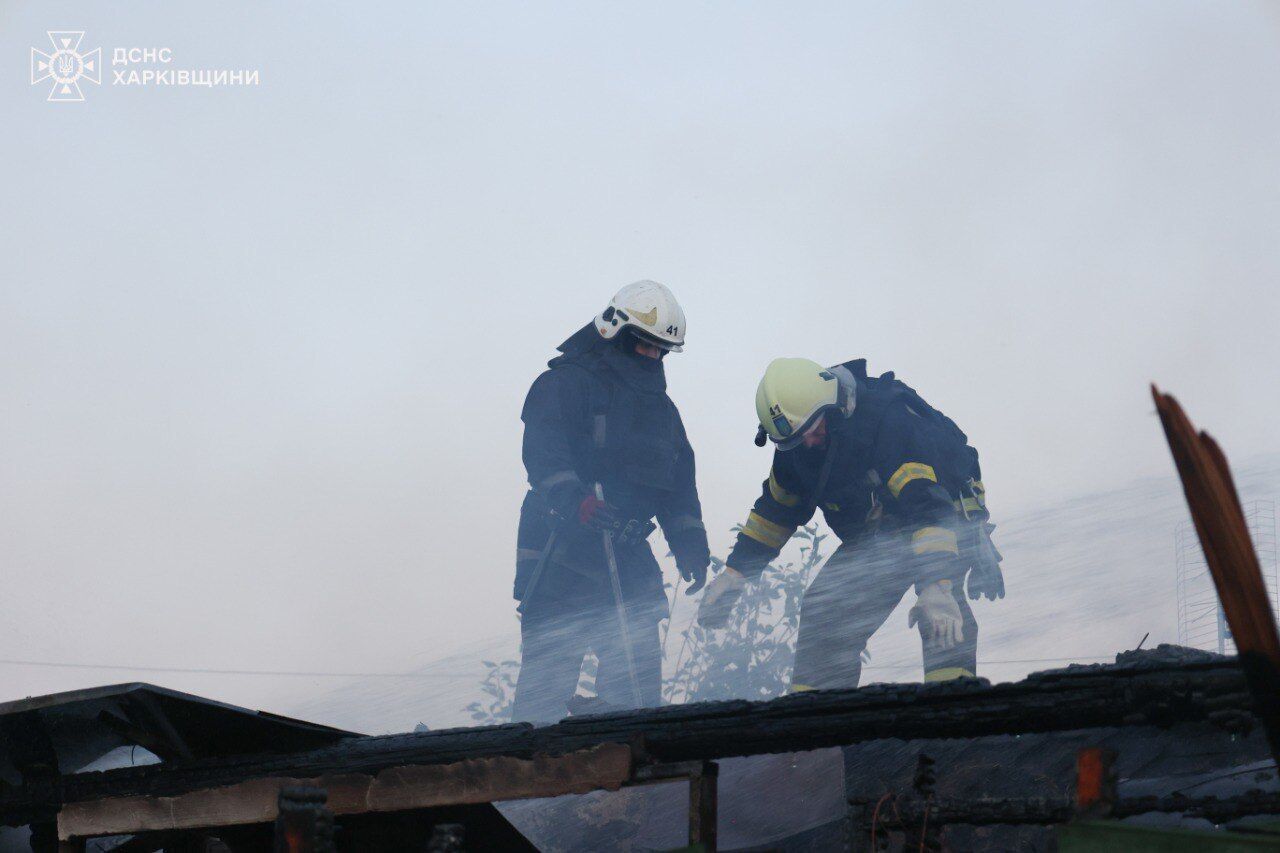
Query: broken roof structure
pixel 46 741
pixel 414 783
pixel 81 726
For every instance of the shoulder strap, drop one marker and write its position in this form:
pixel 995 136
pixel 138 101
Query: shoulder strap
pixel 599 402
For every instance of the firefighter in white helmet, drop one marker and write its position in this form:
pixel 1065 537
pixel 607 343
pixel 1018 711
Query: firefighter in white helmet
pixel 899 485
pixel 646 310
pixel 600 417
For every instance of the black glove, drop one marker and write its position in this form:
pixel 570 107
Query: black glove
pixel 692 557
pixel 694 574
pixel 985 577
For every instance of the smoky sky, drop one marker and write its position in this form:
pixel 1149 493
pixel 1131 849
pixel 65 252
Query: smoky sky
pixel 263 349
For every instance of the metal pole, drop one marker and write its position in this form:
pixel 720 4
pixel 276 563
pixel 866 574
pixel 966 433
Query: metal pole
pixel 542 564
pixel 612 559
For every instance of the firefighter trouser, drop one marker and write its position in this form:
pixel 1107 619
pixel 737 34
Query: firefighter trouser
pixel 560 626
pixel 850 599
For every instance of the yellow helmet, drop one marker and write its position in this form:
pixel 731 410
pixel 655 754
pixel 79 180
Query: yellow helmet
pixel 791 397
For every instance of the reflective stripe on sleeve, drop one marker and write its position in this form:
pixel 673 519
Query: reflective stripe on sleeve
pixel 766 532
pixel 528 554
pixel 934 540
pixel 906 473
pixel 550 482
pixel 780 494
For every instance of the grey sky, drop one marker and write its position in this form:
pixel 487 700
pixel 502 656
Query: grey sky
pixel 263 349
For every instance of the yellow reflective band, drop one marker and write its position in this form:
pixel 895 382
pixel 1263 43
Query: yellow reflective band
pixel 908 472
pixel 947 673
pixel 969 505
pixel 766 532
pixel 934 540
pixel 780 494
pixel 800 688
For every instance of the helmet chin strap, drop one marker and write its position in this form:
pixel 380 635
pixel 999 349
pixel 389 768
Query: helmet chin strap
pixel 825 473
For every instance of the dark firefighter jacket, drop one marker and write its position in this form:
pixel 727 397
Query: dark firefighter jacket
pixel 898 469
pixel 601 414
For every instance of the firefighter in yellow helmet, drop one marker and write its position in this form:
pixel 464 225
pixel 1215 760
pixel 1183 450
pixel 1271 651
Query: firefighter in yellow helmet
pixel 899 485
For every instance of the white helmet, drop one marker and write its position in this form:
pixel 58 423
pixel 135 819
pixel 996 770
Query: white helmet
pixel 649 310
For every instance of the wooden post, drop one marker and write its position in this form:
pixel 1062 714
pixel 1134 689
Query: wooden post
pixel 702 806
pixel 304 825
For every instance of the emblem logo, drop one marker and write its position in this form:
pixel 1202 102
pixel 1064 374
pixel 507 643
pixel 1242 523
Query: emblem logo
pixel 648 319
pixel 66 66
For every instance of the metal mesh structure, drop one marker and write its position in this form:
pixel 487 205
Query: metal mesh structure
pixel 1200 620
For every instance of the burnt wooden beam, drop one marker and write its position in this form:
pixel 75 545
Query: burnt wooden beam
pixel 1157 687
pixel 393 789
pixel 172 744
pixel 1233 562
pixel 1148 692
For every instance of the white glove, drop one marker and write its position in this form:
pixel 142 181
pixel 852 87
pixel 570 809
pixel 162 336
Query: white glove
pixel 941 625
pixel 722 593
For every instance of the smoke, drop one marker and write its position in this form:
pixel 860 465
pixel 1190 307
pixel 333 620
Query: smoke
pixel 262 384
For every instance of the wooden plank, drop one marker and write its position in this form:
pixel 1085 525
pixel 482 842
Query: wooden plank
pixel 703 812
pixel 1233 561
pixel 1157 688
pixel 606 766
